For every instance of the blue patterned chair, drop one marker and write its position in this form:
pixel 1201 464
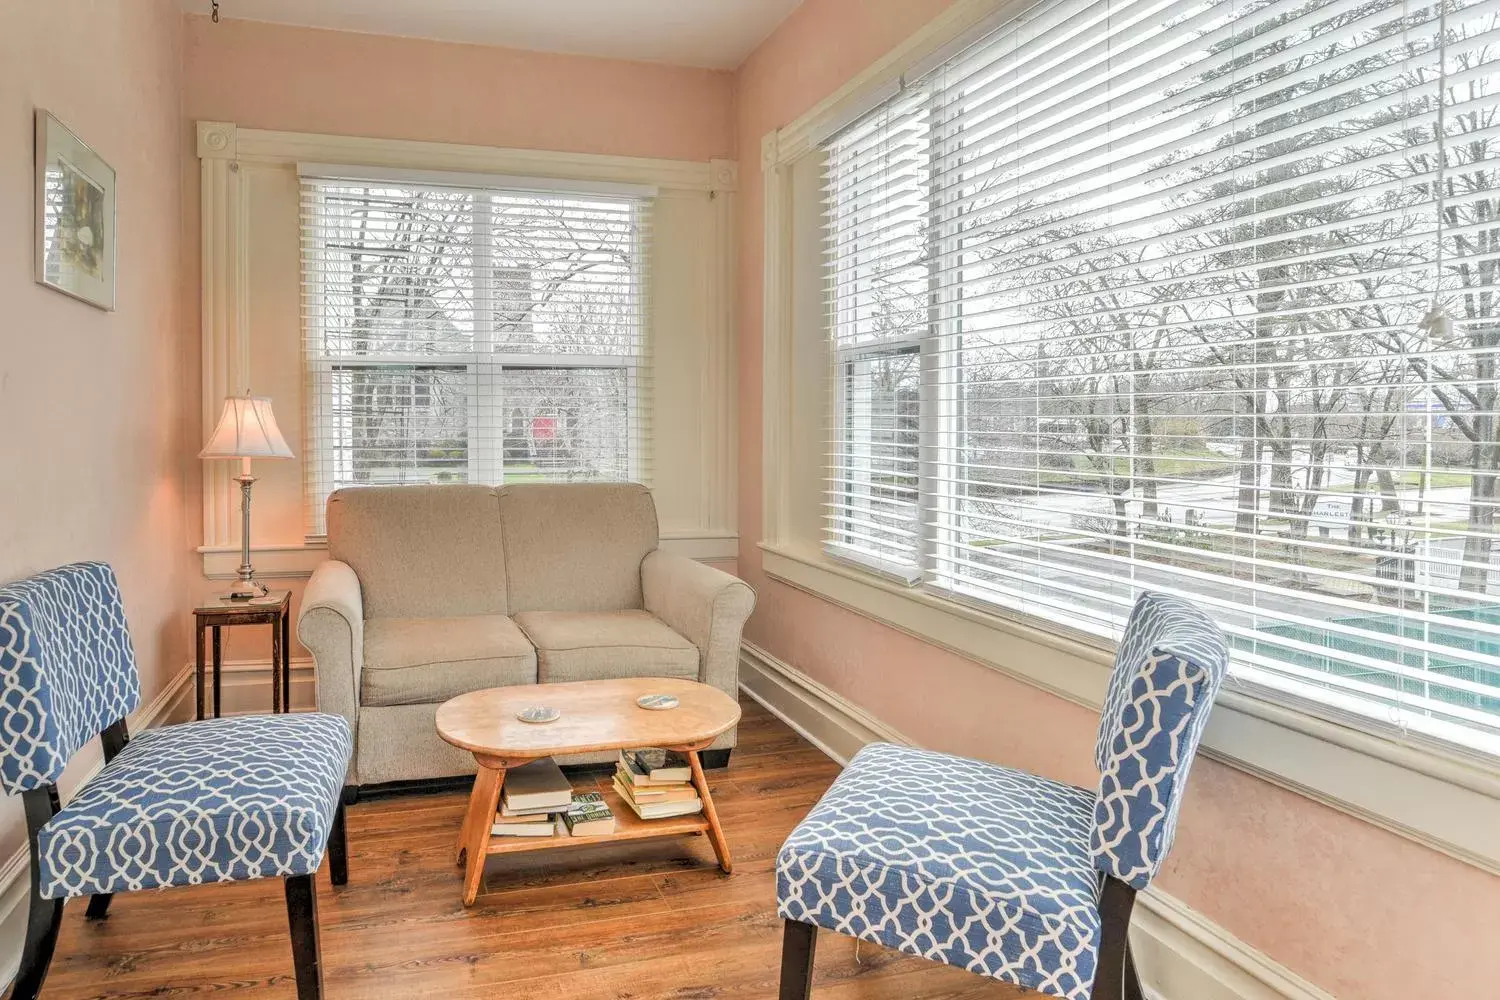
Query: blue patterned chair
pixel 216 801
pixel 1001 872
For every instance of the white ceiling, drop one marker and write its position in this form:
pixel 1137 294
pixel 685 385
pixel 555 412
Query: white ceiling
pixel 717 34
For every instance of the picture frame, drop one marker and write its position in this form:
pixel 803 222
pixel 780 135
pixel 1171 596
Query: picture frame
pixel 75 215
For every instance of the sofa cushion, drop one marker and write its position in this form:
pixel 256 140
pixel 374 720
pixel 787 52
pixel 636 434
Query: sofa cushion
pixel 421 551
pixel 412 661
pixel 583 646
pixel 576 546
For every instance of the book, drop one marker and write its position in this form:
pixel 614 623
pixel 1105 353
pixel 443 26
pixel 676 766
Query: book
pixel 660 810
pixel 524 826
pixel 538 786
pixel 652 793
pixel 657 767
pixel 589 816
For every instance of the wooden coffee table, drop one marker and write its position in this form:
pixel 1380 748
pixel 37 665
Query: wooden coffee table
pixel 596 716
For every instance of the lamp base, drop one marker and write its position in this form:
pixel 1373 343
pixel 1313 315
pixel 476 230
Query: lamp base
pixel 246 589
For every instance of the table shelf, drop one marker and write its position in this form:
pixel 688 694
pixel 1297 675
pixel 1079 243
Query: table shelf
pixel 628 826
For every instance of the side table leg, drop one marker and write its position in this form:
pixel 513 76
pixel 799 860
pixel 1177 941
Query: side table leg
pixel 276 666
pixel 218 672
pixel 286 659
pixel 202 655
pixel 474 844
pixel 715 831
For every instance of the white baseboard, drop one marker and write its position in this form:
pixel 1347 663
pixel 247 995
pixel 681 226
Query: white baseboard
pixel 173 704
pixel 1182 955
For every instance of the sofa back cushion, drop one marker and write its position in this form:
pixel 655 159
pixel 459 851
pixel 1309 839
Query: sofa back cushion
pixel 576 546
pixel 421 551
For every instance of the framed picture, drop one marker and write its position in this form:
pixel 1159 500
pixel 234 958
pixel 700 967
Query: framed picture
pixel 75 215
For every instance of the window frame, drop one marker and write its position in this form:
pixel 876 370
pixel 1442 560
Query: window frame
pixel 1437 796
pixel 487 409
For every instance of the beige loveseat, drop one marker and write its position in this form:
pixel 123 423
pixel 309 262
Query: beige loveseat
pixel 433 591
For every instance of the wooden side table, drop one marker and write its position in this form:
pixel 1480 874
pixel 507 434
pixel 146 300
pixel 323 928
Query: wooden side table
pixel 275 610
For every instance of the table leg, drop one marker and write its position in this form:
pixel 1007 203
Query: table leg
pixel 474 843
pixel 286 660
pixel 276 666
pixel 218 672
pixel 202 655
pixel 715 831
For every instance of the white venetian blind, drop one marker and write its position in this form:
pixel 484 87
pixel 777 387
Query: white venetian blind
pixel 472 334
pixel 1197 297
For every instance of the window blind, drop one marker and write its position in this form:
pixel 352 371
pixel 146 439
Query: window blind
pixel 472 335
pixel 1197 297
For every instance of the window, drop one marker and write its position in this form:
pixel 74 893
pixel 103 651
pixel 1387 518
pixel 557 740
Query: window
pixel 481 335
pixel 1199 297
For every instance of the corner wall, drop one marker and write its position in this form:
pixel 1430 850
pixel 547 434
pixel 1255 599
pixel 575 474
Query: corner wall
pixel 1361 912
pixel 95 405
pixel 296 79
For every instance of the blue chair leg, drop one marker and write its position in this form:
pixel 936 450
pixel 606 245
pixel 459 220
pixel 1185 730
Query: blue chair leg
pixel 99 906
pixel 302 915
pixel 45 915
pixel 799 941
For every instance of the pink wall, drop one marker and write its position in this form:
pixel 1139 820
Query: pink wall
pixel 94 404
pixel 294 79
pixel 342 83
pixel 1361 912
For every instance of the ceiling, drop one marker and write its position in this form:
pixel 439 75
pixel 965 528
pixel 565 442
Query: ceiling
pixel 716 34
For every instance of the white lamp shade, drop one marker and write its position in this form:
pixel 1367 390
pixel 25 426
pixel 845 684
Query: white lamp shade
pixel 247 429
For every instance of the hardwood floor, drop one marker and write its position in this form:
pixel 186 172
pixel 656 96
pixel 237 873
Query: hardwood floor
pixel 640 920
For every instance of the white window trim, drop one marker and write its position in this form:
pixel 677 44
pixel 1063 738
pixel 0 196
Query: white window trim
pixel 708 532
pixel 1443 800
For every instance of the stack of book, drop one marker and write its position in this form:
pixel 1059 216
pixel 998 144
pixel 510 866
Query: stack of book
pixel 539 801
pixel 657 784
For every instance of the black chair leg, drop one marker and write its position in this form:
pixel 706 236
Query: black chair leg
pixel 44 916
pixel 41 940
pixel 1114 973
pixel 99 906
pixel 302 915
pixel 338 849
pixel 798 943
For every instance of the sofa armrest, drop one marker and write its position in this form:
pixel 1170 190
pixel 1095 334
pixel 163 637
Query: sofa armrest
pixel 331 624
pixel 706 606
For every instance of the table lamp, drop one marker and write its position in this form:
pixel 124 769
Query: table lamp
pixel 247 429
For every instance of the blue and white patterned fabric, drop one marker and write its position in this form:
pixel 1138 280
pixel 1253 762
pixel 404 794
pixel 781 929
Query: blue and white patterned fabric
pixel 966 863
pixel 67 670
pixel 215 801
pixel 1171 663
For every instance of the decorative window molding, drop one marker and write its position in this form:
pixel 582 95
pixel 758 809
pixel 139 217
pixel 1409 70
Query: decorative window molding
pixel 693 355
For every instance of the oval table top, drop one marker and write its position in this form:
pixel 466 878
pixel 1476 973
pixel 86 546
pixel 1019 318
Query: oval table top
pixel 596 716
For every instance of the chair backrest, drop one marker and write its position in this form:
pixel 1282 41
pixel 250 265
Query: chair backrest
pixel 67 670
pixel 1170 665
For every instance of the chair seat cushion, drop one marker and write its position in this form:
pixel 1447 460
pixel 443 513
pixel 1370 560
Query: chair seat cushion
pixel 962 862
pixel 417 661
pixel 221 800
pixel 584 646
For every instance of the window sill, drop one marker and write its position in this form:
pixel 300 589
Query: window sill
pixel 1444 801
pixel 297 560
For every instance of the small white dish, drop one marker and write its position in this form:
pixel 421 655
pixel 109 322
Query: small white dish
pixel 539 714
pixel 658 702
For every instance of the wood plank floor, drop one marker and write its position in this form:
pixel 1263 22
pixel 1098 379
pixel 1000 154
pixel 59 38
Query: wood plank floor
pixel 643 920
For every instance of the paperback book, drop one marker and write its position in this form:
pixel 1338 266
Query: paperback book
pixel 589 816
